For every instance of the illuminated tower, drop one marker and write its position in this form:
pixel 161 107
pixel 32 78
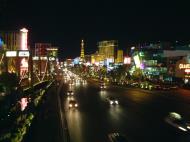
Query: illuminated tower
pixel 24 36
pixel 23 46
pixel 82 50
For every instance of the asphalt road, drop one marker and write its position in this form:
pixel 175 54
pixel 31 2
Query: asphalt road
pixel 139 115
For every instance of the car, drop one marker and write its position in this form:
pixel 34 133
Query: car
pixel 73 104
pixel 103 86
pixel 135 84
pixel 70 92
pixel 70 97
pixel 112 101
pixel 117 137
pixel 174 119
pixel 157 87
pixel 165 87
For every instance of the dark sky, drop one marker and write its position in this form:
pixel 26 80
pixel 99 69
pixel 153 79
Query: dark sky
pixel 65 22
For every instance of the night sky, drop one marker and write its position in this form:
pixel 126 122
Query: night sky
pixel 64 23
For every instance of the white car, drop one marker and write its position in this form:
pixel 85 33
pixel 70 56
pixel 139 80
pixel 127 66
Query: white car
pixel 174 119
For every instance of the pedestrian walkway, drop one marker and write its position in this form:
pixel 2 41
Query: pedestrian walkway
pixel 45 127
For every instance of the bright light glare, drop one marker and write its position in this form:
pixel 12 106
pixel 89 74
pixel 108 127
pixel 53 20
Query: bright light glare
pixel 181 128
pixel 137 61
pixel 111 102
pixel 116 102
pixel 23 103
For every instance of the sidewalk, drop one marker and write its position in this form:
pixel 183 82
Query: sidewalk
pixel 45 127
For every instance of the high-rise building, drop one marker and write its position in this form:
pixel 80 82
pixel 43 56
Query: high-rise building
pixel 15 41
pixel 108 49
pixel 119 56
pixel 41 49
pixel 82 50
pixel 11 39
pixel 40 58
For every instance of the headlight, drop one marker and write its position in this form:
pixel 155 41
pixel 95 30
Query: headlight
pixel 111 102
pixel 70 105
pixel 116 102
pixel 188 127
pixel 181 128
pixel 76 105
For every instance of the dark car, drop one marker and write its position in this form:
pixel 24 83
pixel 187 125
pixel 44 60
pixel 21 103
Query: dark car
pixel 112 101
pixel 103 86
pixel 70 92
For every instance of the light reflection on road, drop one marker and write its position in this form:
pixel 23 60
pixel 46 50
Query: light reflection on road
pixel 75 125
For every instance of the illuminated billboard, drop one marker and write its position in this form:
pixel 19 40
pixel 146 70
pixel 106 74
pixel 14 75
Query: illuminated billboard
pixel 23 54
pixel 11 53
pixel 184 66
pixel 137 61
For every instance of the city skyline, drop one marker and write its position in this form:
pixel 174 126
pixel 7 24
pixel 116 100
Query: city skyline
pixel 65 23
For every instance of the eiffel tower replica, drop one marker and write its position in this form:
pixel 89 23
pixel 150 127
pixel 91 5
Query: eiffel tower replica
pixel 82 60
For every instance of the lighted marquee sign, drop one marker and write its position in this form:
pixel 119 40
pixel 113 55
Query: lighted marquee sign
pixel 35 58
pixel 187 70
pixel 11 53
pixel 23 54
pixel 51 58
pixel 184 66
pixel 127 60
pixel 43 58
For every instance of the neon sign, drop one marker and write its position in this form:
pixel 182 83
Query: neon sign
pixel 184 66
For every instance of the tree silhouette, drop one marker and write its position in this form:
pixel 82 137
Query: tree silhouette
pixel 9 80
